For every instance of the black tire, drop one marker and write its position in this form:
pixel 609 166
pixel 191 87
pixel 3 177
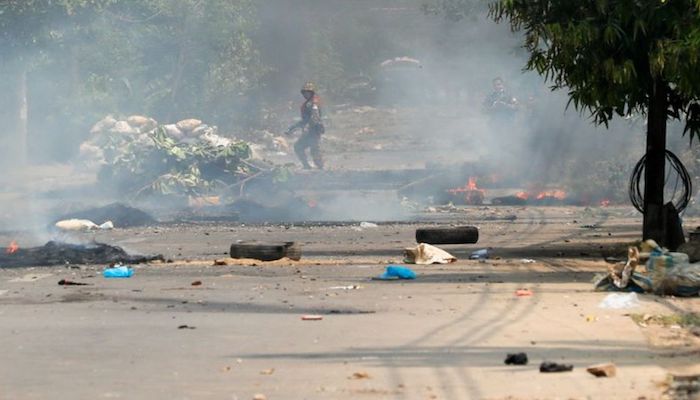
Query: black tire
pixel 456 235
pixel 266 251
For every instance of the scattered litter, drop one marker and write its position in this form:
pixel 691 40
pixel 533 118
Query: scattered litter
pixel 480 254
pixel 268 371
pixel 66 282
pixel 591 318
pixel 603 370
pixel 368 225
pixel 359 375
pixel 527 261
pixel 197 283
pixel 618 301
pixel 186 327
pixel 523 292
pixel 350 287
pixel 118 271
pixel 30 278
pixel 81 225
pixel 312 317
pixel 548 366
pixel 516 359
pixel 426 254
pixel 259 396
pixel 667 273
pixel 397 272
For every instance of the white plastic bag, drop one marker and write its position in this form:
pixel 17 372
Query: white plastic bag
pixel 620 301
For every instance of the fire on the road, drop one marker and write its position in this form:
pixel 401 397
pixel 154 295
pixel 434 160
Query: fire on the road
pixel 12 248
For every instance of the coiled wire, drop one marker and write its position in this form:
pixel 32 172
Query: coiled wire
pixel 682 178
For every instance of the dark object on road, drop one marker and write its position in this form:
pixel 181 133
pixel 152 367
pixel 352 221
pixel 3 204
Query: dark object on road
pixel 121 215
pixel 516 359
pixel 603 370
pixel 266 251
pixel 548 366
pixel 186 327
pixel 197 283
pixel 58 253
pixel 509 201
pixel 66 282
pixel 456 235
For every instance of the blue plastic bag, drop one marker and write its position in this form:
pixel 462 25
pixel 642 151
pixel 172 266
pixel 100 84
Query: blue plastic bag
pixel 118 271
pixel 397 272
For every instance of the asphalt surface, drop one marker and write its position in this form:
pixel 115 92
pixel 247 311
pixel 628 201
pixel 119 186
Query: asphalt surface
pixel 240 332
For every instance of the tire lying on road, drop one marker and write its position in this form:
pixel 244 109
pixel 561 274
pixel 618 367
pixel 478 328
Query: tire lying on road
pixel 454 235
pixel 266 251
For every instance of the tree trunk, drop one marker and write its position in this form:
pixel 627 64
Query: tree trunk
pixel 22 122
pixel 654 173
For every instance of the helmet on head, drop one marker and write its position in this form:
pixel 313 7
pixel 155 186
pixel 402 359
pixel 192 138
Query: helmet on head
pixel 309 87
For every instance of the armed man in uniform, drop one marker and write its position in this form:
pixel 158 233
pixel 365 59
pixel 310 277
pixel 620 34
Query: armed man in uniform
pixel 311 126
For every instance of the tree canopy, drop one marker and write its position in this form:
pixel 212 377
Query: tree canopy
pixel 609 54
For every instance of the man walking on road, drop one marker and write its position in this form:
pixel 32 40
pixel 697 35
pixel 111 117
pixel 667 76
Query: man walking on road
pixel 311 126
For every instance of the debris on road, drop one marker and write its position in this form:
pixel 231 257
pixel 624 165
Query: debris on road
pixel 619 301
pixel 480 254
pixel 196 283
pixel 603 370
pixel 268 371
pixel 548 366
pixel 368 225
pixel 121 215
pixel 59 253
pixel 523 292
pixel 118 271
pixel 81 225
pixel 664 273
pixel 426 254
pixel 259 396
pixel 66 282
pixel 394 272
pixel 349 287
pixel 311 317
pixel 266 251
pixel 527 261
pixel 186 327
pixel 455 235
pixel 359 375
pixel 516 359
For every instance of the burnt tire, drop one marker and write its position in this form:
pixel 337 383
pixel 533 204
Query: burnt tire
pixel 266 251
pixel 456 235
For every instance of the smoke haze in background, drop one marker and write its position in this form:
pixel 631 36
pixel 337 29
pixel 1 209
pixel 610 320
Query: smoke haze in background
pixel 105 63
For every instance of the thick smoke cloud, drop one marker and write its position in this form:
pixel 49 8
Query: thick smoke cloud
pixel 336 43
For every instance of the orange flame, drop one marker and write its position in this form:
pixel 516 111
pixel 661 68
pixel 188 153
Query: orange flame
pixel 473 195
pixel 604 203
pixel 522 195
pixel 557 194
pixel 12 248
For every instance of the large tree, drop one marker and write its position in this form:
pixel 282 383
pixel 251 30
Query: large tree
pixel 618 58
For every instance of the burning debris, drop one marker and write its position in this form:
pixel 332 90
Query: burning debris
pixel 57 253
pixel 12 248
pixel 469 194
